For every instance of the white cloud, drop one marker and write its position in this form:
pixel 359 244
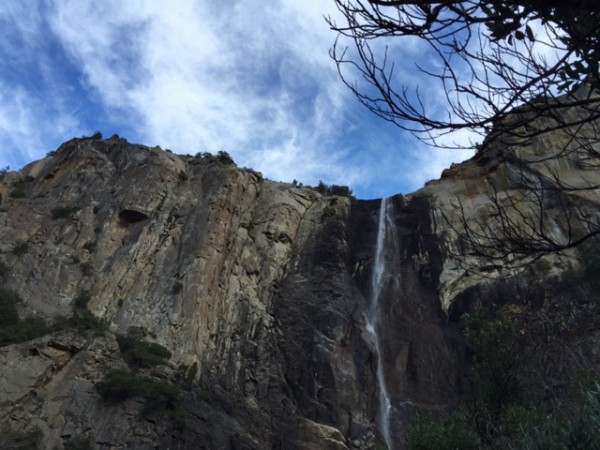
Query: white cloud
pixel 252 79
pixel 26 124
pixel 255 80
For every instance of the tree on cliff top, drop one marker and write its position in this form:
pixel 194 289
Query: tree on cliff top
pixel 487 57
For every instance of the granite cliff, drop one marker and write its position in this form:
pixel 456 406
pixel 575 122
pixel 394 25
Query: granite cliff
pixel 259 295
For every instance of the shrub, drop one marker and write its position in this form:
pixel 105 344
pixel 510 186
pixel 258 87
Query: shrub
pixel 178 416
pixel 334 189
pixel 578 430
pixel 499 350
pixel 506 410
pixel 190 376
pixel 82 321
pixel 78 443
pixel 449 433
pixel 142 354
pixel 20 187
pixel 119 385
pixel 343 191
pixel 543 266
pixel 205 395
pixel 8 307
pixel 82 300
pixel 13 329
pixel 224 158
pixel 20 248
pixel 20 440
pixel 589 256
pixel 87 269
pixel 63 212
pixel 25 330
pixel 3 172
pixel 177 287
pixel 4 269
pixel 90 246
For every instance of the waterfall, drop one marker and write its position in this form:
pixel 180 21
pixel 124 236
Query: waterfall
pixel 373 316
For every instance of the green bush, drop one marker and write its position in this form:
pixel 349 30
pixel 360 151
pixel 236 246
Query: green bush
pixel 90 246
pixel 82 321
pixel 334 189
pixel 8 307
pixel 499 348
pixel 579 429
pixel 82 300
pixel 63 212
pixel 13 329
pixel 224 158
pixel 87 269
pixel 589 256
pixel 25 330
pixel 20 187
pixel 177 287
pixel 97 136
pixel 448 433
pixel 142 354
pixel 4 269
pixel 543 266
pixel 119 385
pixel 506 410
pixel 20 440
pixel 78 443
pixel 191 373
pixel 20 248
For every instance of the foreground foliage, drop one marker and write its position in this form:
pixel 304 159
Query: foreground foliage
pixel 510 406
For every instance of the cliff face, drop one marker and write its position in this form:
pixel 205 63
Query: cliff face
pixel 262 292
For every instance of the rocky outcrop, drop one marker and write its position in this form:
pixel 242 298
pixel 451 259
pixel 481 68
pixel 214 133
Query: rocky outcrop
pixel 217 264
pixel 258 290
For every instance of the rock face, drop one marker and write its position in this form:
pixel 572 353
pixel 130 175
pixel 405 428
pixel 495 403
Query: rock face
pixel 259 290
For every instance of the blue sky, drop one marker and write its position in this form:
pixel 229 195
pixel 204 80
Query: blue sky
pixel 250 78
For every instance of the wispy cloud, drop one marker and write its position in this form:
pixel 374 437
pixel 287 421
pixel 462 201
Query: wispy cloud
pixel 252 79
pixel 256 81
pixel 25 125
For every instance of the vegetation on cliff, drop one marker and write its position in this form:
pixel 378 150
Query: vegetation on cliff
pixel 531 387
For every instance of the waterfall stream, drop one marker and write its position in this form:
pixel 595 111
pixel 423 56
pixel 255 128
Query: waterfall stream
pixel 386 238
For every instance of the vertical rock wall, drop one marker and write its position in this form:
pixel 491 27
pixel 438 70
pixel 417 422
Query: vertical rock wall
pixel 258 289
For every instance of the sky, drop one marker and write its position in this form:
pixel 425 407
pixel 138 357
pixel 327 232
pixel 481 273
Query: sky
pixel 254 79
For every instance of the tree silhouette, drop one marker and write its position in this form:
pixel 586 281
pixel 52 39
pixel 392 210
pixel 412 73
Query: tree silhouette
pixel 487 59
pixel 513 72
